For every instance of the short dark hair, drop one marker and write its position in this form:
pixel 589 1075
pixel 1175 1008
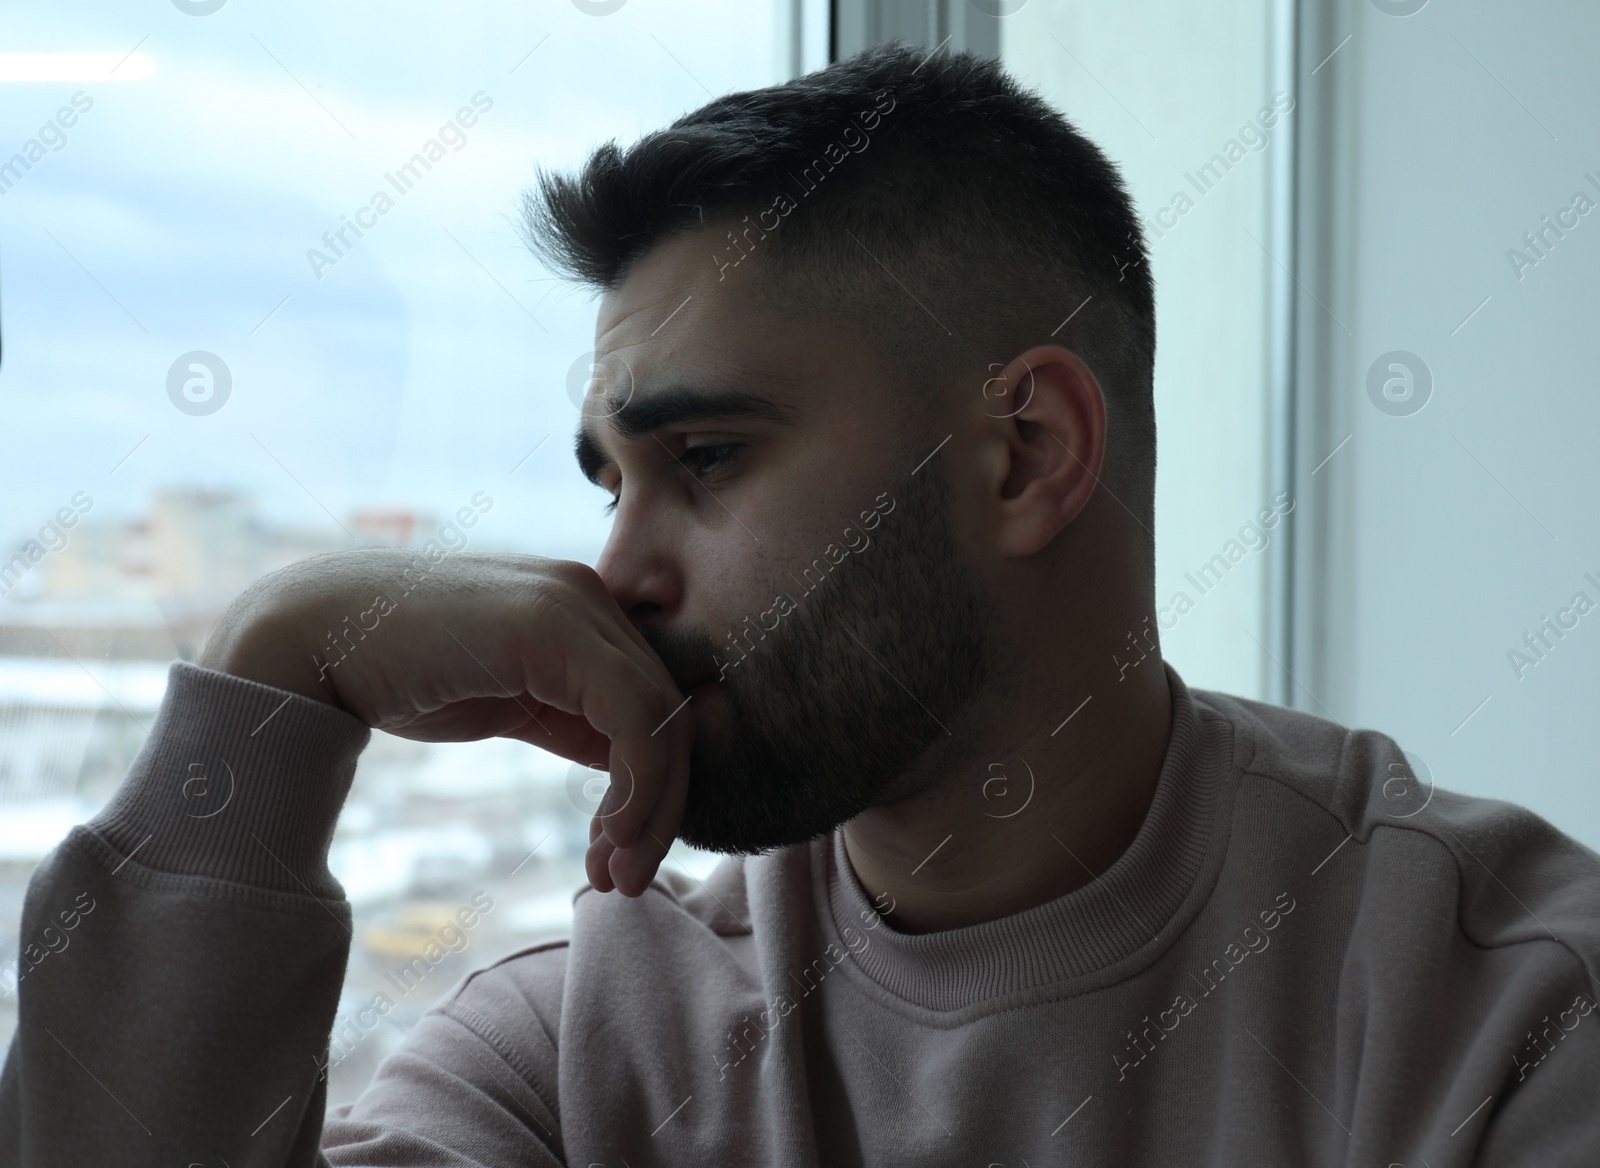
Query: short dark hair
pixel 931 195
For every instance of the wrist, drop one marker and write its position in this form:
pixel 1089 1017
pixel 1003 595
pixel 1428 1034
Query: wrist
pixel 259 640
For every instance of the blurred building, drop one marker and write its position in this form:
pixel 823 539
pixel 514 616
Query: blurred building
pixel 150 587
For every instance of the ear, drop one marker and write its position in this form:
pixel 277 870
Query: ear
pixel 1047 442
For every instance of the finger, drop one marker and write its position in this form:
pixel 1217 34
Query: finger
pixel 606 689
pixel 564 734
pixel 670 742
pixel 634 789
pixel 631 712
pixel 571 639
pixel 613 625
pixel 606 603
pixel 634 867
pixel 623 693
pixel 596 864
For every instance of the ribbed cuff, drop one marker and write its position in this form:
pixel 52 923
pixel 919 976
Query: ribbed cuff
pixel 238 781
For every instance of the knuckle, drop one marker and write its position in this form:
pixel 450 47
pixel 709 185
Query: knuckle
pixel 576 574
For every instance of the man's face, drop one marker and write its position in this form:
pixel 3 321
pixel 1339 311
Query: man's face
pixel 802 584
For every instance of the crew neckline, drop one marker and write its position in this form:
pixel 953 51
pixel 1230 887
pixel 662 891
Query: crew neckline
pixel 1143 899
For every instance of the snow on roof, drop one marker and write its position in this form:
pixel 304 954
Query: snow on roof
pixel 61 682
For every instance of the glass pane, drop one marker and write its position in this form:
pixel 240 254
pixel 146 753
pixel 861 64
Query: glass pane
pixel 263 298
pixel 1196 124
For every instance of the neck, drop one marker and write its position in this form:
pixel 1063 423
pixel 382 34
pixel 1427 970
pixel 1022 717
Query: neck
pixel 1052 796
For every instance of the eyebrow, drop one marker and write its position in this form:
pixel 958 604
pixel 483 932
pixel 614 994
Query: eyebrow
pixel 644 414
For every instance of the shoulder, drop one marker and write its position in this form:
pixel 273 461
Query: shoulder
pixel 522 992
pixel 478 1071
pixel 517 995
pixel 1457 937
pixel 1508 875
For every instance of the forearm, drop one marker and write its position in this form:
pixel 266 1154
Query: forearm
pixel 184 1015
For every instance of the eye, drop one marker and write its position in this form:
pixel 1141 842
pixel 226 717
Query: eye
pixel 704 460
pixel 701 461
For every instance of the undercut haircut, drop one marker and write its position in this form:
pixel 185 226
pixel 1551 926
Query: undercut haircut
pixel 926 201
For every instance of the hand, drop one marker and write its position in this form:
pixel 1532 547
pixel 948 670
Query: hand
pixel 480 646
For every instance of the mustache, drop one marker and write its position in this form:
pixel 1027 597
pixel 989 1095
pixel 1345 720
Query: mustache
pixel 689 655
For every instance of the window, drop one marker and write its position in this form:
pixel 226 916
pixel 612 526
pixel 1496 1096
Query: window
pixel 1200 120
pixel 263 298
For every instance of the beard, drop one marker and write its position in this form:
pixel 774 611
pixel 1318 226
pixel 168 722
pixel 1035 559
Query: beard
pixel 830 713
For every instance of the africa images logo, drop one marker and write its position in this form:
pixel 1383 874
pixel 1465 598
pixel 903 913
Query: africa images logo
pixel 1399 383
pixel 199 383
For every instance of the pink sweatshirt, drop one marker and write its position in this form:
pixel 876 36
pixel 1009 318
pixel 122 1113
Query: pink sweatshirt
pixel 1303 959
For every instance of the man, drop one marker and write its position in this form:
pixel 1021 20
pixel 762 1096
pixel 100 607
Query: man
pixel 875 413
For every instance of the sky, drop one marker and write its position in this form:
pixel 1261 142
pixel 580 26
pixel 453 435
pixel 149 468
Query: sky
pixel 419 368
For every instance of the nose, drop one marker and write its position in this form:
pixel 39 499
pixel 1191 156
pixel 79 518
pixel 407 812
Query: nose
pixel 638 569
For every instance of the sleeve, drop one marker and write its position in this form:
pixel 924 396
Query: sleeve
pixel 1531 895
pixel 182 952
pixel 1548 1112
